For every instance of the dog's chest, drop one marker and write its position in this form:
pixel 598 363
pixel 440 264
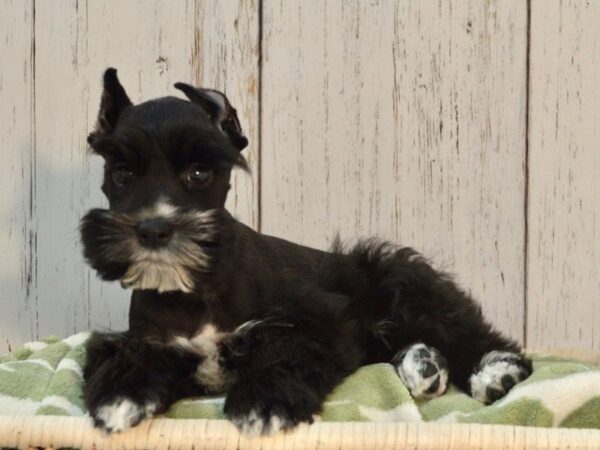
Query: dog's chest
pixel 205 343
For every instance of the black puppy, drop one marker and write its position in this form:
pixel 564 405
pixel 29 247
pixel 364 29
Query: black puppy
pixel 218 307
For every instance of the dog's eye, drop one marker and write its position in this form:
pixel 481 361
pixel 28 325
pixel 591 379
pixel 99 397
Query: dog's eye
pixel 121 175
pixel 198 175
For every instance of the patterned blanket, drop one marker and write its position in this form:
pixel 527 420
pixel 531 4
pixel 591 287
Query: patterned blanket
pixel 45 378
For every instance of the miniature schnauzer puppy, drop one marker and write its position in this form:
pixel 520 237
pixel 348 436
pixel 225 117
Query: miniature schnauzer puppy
pixel 220 308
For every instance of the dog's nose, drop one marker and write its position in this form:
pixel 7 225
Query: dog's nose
pixel 154 233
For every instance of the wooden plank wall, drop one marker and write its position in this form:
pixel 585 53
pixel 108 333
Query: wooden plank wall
pixel 564 175
pixel 18 306
pixel 466 129
pixel 389 119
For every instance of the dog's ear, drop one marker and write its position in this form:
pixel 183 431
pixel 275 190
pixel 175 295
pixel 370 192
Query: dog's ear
pixel 114 101
pixel 221 113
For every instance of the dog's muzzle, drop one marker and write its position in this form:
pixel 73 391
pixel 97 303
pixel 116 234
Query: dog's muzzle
pixel 162 253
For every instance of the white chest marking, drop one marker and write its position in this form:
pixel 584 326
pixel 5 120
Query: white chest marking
pixel 209 372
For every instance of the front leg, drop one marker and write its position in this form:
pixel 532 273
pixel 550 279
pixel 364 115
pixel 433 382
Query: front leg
pixel 272 401
pixel 287 363
pixel 128 379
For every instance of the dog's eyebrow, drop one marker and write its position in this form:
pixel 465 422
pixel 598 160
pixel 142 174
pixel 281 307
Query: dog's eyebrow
pixel 108 148
pixel 206 148
pixel 122 148
pixel 211 155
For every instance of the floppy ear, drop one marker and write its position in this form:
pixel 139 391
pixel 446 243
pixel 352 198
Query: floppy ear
pixel 221 113
pixel 114 101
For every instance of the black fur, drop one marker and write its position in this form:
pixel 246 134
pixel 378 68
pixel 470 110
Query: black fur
pixel 124 364
pixel 311 317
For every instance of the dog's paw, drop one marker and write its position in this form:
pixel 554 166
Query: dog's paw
pixel 423 369
pixel 261 409
pixel 256 423
pixel 121 414
pixel 262 419
pixel 497 373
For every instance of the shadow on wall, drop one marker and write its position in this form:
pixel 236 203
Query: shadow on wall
pixel 45 286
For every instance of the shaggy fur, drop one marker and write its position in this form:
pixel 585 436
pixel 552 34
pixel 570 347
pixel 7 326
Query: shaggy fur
pixel 218 306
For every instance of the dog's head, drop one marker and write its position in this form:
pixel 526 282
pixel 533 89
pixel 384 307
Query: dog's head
pixel 167 170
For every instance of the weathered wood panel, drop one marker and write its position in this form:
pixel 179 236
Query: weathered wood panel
pixel 564 174
pixel 18 303
pixel 226 57
pixel 404 120
pixel 62 172
pixel 399 119
pixel 153 44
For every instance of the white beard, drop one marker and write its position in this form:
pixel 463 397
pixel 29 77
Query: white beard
pixel 169 268
pixel 160 276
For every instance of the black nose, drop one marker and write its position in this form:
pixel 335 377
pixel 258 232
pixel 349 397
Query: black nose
pixel 154 233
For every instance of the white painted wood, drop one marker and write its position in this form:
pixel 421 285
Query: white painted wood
pixel 400 119
pixel 564 169
pixel 17 234
pixel 226 57
pixel 405 120
pixel 62 173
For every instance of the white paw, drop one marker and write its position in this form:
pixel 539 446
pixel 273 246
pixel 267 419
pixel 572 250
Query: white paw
pixel 253 424
pixel 423 370
pixel 498 372
pixel 122 414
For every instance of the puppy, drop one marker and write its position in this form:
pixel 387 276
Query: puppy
pixel 218 307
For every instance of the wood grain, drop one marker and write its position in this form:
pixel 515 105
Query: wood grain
pixel 401 119
pixel 564 168
pixel 17 175
pixel 226 57
pixel 404 120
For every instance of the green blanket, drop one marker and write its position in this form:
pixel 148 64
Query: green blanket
pixel 45 378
